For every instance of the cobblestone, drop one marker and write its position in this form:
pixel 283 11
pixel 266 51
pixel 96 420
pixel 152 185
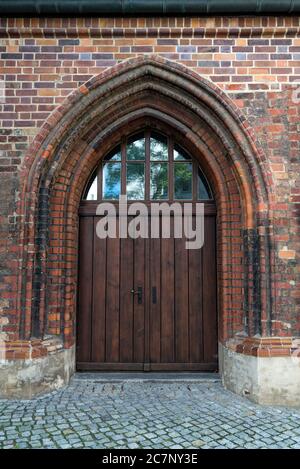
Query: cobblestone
pixel 145 414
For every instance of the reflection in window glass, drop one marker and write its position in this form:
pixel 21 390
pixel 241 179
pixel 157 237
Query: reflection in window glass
pixel 180 154
pixel 183 176
pixel 158 148
pixel 136 149
pixel 135 181
pixel 159 181
pixel 149 176
pixel 114 155
pixel 93 192
pixel 111 180
pixel 204 192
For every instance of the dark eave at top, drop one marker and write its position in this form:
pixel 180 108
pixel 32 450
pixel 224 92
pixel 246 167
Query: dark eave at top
pixel 104 8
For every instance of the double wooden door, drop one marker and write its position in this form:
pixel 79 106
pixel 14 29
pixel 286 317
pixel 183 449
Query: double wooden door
pixel 146 304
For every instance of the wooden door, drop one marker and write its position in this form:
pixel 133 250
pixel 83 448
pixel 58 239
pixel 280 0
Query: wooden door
pixel 183 325
pixel 146 304
pixel 111 303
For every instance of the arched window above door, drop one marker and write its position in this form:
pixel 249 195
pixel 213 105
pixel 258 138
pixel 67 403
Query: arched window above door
pixel 148 166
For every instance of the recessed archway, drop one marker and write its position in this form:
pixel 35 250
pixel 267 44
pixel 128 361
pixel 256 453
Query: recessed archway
pixel 71 144
pixel 147 303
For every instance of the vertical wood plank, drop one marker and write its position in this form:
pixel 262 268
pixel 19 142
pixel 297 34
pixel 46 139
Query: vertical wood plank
pixel 85 288
pixel 126 301
pixel 99 297
pixel 167 301
pixel 209 292
pixel 155 310
pixel 181 301
pixel 139 309
pixel 195 305
pixel 113 300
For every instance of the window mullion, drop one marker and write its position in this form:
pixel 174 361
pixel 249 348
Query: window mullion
pixel 147 165
pixel 123 167
pixel 194 187
pixel 171 168
pixel 99 181
pixel 183 165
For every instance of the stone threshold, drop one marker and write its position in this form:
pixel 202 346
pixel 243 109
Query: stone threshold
pixel 167 377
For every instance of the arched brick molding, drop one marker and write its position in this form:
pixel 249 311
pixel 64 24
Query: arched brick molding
pixel 71 144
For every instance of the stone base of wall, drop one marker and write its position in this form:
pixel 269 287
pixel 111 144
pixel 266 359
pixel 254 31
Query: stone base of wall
pixel 30 377
pixel 246 369
pixel 272 380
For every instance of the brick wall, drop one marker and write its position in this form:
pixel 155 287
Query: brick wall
pixel 255 61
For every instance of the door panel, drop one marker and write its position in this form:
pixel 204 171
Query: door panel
pixel 173 325
pixel 86 235
pixel 181 302
pixel 139 308
pixel 113 288
pixel 155 301
pixel 167 300
pixel 126 300
pixel 183 319
pixel 99 297
pixel 111 334
pixel 209 292
pixel 196 304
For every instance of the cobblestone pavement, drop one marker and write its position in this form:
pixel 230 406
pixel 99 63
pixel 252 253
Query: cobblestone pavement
pixel 143 414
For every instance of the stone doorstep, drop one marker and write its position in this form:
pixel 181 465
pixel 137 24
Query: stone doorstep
pixel 167 378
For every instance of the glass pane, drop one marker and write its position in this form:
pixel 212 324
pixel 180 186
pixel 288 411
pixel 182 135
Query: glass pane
pixel 204 192
pixel 180 154
pixel 111 180
pixel 159 180
pixel 183 176
pixel 135 149
pixel 114 155
pixel 93 192
pixel 158 147
pixel 135 181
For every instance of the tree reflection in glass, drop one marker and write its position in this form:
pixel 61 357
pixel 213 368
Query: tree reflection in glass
pixel 158 147
pixel 147 163
pixel 183 177
pixel 136 149
pixel 111 180
pixel 135 181
pixel 159 181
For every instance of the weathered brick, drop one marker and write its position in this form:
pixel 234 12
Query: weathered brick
pixel 254 61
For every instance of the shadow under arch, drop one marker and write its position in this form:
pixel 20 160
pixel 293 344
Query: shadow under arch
pixel 72 142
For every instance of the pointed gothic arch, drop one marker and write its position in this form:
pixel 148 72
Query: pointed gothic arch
pixel 75 138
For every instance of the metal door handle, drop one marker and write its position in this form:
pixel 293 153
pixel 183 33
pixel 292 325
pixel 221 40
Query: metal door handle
pixel 139 294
